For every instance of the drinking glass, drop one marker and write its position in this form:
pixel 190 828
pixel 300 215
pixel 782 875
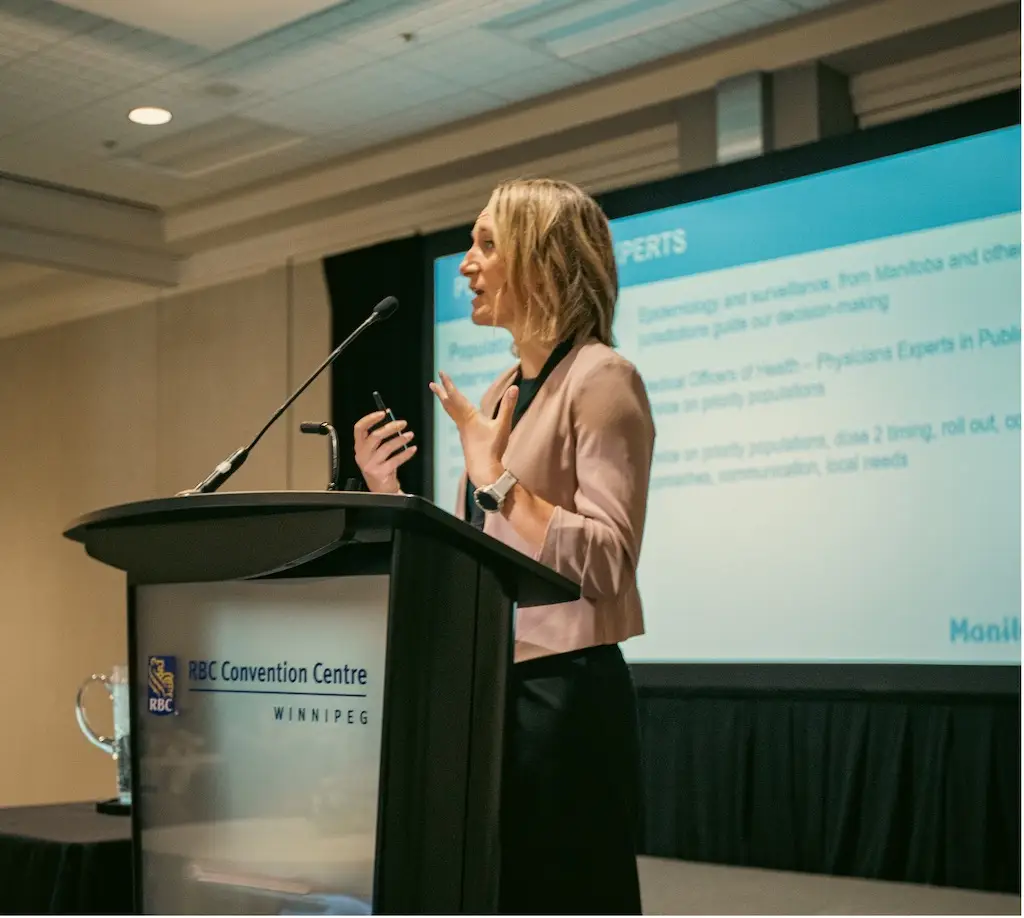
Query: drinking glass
pixel 118 746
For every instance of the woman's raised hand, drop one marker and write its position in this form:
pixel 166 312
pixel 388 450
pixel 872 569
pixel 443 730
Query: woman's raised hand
pixel 483 440
pixel 379 461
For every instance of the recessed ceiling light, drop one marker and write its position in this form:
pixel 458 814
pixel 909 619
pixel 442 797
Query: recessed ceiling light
pixel 149 115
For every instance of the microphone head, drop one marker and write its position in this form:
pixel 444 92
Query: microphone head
pixel 386 308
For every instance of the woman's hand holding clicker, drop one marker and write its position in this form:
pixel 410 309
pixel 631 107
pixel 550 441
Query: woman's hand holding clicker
pixel 379 461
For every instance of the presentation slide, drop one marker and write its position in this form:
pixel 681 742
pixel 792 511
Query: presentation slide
pixel 833 364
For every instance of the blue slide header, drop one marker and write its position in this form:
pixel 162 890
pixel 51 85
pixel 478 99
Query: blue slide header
pixel 967 179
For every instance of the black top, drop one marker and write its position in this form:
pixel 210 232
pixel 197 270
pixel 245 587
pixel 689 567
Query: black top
pixel 528 389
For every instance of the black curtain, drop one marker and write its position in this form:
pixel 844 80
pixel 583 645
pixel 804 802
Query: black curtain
pixel 389 358
pixel 919 789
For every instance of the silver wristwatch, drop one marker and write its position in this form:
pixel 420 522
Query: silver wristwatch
pixel 491 497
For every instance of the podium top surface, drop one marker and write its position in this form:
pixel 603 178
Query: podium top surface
pixel 254 533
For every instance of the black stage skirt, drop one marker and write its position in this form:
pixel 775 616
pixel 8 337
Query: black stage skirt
pixel 570 809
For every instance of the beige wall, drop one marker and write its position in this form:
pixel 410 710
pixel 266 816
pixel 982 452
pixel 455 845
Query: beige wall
pixel 126 406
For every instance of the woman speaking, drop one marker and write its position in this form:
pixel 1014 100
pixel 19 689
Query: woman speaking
pixel 557 464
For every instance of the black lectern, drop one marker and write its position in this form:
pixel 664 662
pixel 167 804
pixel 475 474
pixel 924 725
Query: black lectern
pixel 317 700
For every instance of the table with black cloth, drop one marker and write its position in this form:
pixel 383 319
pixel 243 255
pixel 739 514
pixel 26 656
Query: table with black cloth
pixel 64 859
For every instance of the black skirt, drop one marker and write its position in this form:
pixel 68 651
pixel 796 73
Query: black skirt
pixel 570 807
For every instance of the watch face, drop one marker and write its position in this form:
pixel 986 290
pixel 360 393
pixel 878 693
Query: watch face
pixel 486 501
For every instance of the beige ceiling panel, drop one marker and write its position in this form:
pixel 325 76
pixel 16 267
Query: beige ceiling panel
pixel 211 25
pixel 486 59
pixel 220 144
pixel 297 67
pixel 620 55
pixel 460 16
pixel 534 21
pixel 27 28
pixel 680 37
pixel 94 147
pixel 37 89
pixel 423 115
pixel 402 25
pixel 537 81
pixel 362 75
pixel 588 34
pixel 346 75
pixel 748 15
pixel 345 104
pixel 852 25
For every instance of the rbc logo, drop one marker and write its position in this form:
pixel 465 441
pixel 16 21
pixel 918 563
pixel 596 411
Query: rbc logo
pixel 163 673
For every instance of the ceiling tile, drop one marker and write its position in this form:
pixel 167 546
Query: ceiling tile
pixel 676 38
pixel 301 65
pixel 572 30
pixel 777 9
pixel 688 34
pixel 348 99
pixel 616 56
pixel 340 22
pixel 421 117
pixel 529 21
pixel 48 87
pixel 212 26
pixel 84 130
pixel 476 57
pixel 538 81
pixel 712 24
pixel 358 72
pixel 443 19
pixel 385 19
pixel 34 24
pixel 744 15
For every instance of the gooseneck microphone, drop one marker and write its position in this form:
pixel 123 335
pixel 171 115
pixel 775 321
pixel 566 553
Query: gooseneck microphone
pixel 383 310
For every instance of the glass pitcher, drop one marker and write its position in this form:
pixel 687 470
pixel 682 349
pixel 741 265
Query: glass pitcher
pixel 118 747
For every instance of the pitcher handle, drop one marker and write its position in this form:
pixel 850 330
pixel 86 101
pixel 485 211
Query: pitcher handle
pixel 103 742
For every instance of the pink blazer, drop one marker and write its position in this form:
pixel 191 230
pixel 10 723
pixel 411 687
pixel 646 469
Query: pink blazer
pixel 585 445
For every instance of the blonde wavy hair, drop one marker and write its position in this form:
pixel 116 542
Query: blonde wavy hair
pixel 559 257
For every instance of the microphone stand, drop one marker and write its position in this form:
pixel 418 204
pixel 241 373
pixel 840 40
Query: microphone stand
pixel 234 462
